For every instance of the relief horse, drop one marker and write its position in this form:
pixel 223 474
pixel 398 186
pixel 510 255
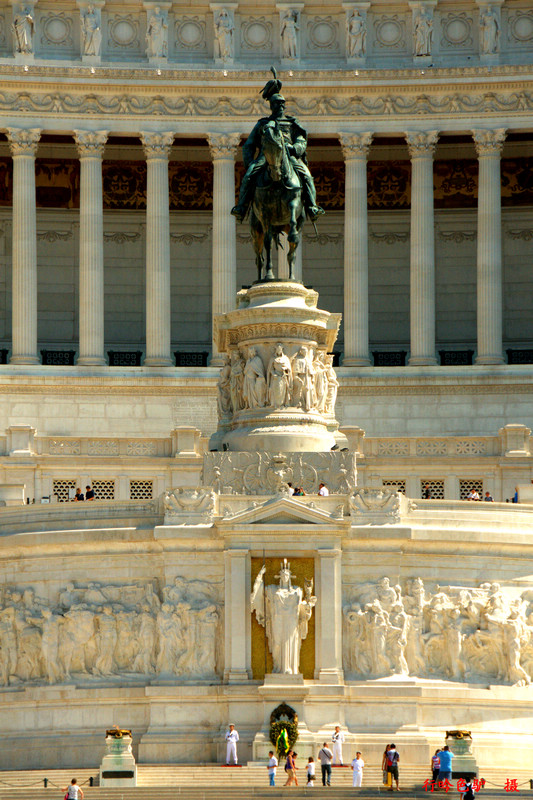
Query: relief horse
pixel 277 205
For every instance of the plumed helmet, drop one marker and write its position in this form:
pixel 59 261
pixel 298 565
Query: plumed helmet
pixel 272 87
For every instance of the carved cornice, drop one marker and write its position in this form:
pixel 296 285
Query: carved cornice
pixel 223 145
pixel 355 145
pixel 91 143
pixel 23 141
pixel 421 144
pixel 157 145
pixel 489 143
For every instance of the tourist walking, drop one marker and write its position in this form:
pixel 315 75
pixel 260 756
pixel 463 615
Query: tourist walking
pixel 325 757
pixel 386 778
pixel 357 767
pixel 73 791
pixel 290 769
pixel 232 737
pixel 393 758
pixel 338 741
pixel 272 768
pixel 311 771
pixel 435 765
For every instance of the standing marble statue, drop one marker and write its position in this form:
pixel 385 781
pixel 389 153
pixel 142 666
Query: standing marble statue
pixel 356 35
pixel 423 29
pixel 254 383
pixel 224 389
pixel 91 32
pixel 279 379
pixel 236 380
pixel 156 34
pixel 23 26
pixel 303 378
pixel 284 611
pixel 489 31
pixel 289 34
pixel 224 29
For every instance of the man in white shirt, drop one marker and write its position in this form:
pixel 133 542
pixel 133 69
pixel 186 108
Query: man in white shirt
pixel 357 766
pixel 338 741
pixel 325 756
pixel 272 767
pixel 232 737
pixel 323 490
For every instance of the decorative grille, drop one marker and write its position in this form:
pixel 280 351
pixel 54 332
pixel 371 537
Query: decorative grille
pixel 191 359
pixel 104 490
pixel 399 485
pixel 124 359
pixel 389 358
pixel 141 490
pixel 61 489
pixel 58 357
pixel 467 484
pixel 436 487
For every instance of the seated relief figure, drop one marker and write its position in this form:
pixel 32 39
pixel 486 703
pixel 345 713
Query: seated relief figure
pixel 463 634
pixel 133 630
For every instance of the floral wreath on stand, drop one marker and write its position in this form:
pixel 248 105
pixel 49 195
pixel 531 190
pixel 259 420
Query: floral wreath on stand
pixel 283 729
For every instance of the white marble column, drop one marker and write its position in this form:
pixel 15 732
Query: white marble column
pixel 23 144
pixel 91 149
pixel 237 649
pixel 157 150
pixel 489 145
pixel 329 637
pixel 223 148
pixel 421 148
pixel 355 147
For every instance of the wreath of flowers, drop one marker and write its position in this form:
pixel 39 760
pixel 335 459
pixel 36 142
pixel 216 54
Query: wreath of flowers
pixel 292 733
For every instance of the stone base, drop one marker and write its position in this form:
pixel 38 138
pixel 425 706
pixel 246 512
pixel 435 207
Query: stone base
pixel 277 679
pixel 118 766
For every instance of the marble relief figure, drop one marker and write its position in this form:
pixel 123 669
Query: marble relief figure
pixel 457 633
pixel 489 31
pixel 289 34
pixel 279 377
pixel 91 32
pixel 254 381
pixel 423 30
pixel 108 631
pixel 284 611
pixel 356 35
pixel 157 34
pixel 224 30
pixel 23 27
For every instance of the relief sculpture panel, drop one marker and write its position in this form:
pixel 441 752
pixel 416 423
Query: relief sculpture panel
pixel 99 631
pixel 459 633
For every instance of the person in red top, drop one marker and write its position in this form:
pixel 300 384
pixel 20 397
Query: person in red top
pixel 435 764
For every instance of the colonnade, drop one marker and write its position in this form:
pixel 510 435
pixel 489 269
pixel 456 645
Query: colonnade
pixel 223 148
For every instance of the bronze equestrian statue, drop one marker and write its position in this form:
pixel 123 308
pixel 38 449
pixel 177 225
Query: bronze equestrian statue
pixel 277 186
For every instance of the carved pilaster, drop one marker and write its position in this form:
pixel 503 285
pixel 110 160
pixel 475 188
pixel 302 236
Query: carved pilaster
pixel 421 147
pixel 489 143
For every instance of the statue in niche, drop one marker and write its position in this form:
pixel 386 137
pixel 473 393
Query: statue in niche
pixel 236 380
pixel 303 381
pixel 157 34
pixel 254 382
pixel 284 611
pixel 224 391
pixel 356 35
pixel 91 31
pixel 23 27
pixel 224 30
pixel 423 30
pixel 289 34
pixel 279 379
pixel 489 31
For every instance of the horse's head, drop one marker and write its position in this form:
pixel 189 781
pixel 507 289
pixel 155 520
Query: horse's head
pixel 273 148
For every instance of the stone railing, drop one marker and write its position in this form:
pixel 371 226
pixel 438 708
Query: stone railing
pixel 429 446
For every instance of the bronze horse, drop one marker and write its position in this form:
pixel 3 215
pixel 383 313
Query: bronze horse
pixel 277 204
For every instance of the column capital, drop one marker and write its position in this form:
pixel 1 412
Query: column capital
pixel 355 145
pixel 23 141
pixel 223 145
pixel 489 143
pixel 421 144
pixel 157 145
pixel 90 143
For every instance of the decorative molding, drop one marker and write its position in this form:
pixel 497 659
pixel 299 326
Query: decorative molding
pixel 457 236
pixel 190 33
pixel 421 144
pixel 223 145
pixel 157 145
pixel 525 234
pixel 188 238
pixel 323 35
pixel 23 141
pixel 54 236
pixel 355 145
pixel 456 30
pixel 390 32
pixel 120 237
pixel 256 34
pixel 56 30
pixel 390 237
pixel 324 238
pixel 90 143
pixel 489 143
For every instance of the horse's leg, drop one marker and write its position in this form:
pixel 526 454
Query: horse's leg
pixel 293 236
pixel 269 275
pixel 258 238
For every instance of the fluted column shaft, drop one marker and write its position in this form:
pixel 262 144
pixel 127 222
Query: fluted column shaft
pixel 91 148
pixel 157 150
pixel 421 148
pixel 489 146
pixel 23 144
pixel 355 147
pixel 223 148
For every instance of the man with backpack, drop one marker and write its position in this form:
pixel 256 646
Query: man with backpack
pixel 393 758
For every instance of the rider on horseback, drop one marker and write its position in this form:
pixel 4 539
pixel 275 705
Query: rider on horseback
pixel 296 142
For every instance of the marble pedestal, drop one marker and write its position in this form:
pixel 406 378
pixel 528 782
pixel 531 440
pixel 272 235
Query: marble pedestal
pixel 118 767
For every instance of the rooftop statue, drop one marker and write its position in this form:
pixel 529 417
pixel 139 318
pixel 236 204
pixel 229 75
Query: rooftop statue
pixel 277 186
